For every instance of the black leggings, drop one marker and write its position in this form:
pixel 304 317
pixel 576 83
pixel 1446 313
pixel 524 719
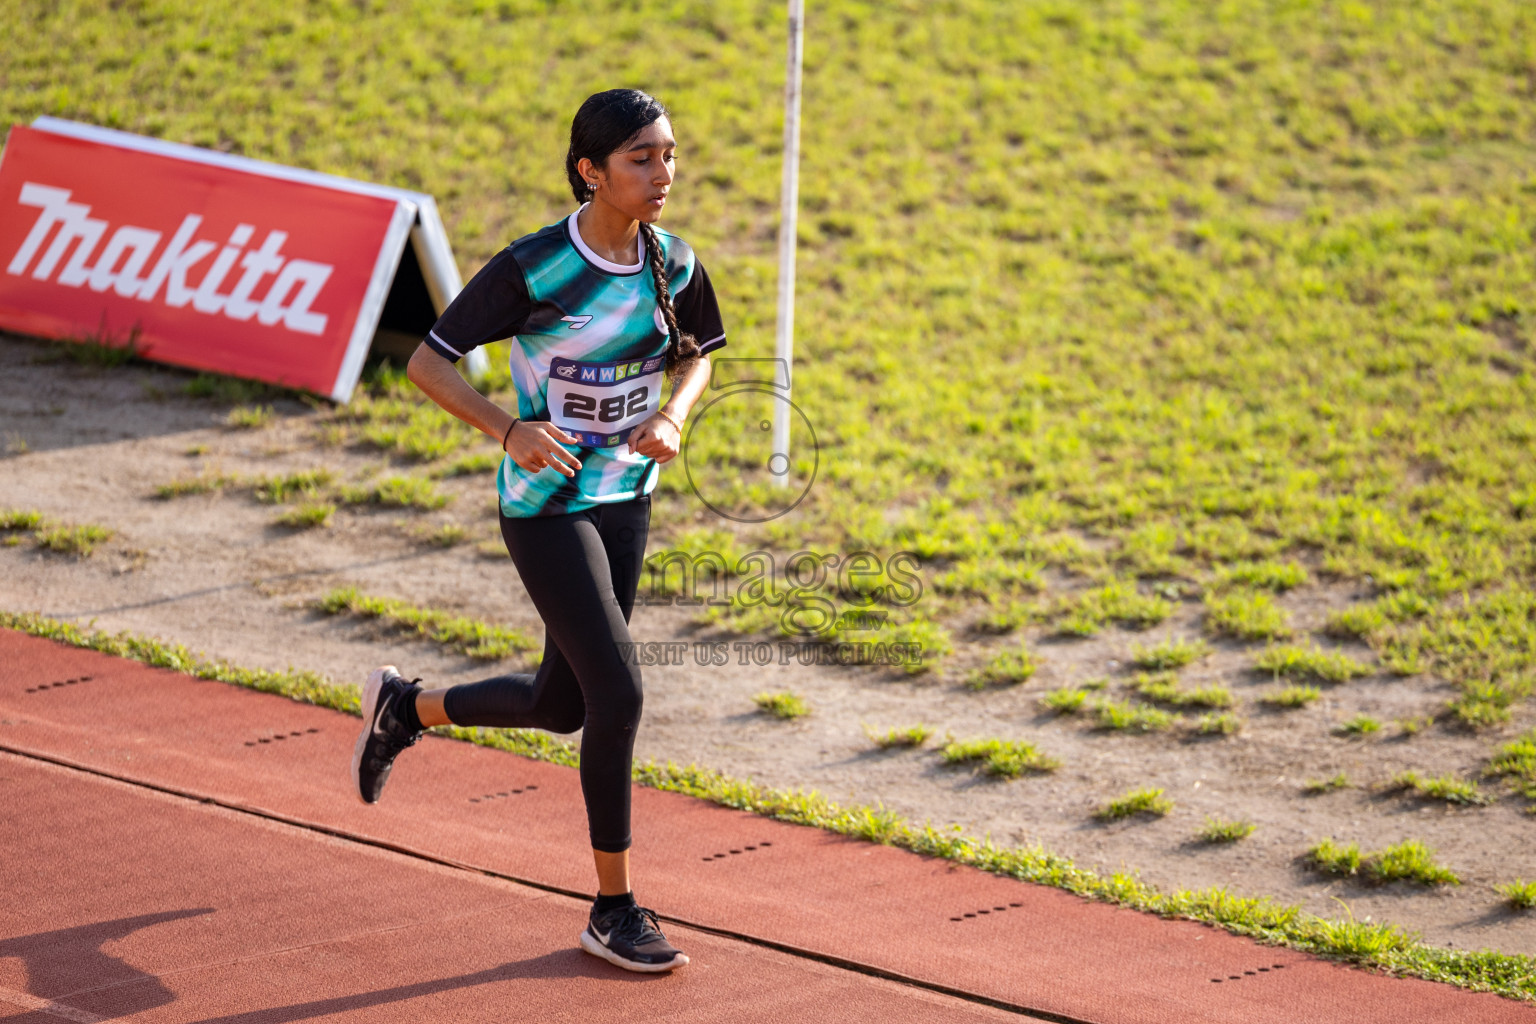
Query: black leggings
pixel 581 569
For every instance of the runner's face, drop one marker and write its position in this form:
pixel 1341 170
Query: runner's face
pixel 637 177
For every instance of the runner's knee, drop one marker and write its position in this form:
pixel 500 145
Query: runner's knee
pixel 619 708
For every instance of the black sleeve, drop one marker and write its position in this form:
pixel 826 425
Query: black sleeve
pixel 494 305
pixel 698 312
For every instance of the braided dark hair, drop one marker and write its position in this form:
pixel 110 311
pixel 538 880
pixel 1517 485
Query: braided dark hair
pixel 604 124
pixel 682 347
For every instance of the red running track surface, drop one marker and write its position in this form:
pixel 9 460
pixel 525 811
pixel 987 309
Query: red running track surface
pixel 125 902
pixel 867 908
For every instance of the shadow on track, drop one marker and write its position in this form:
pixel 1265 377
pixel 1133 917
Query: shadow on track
pixel 564 964
pixel 64 963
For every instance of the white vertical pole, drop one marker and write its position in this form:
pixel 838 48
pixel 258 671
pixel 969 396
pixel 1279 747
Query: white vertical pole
pixel 784 338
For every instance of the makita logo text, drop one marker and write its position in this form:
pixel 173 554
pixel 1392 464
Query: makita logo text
pixel 130 250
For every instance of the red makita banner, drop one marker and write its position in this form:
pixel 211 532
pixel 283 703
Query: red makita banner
pixel 206 261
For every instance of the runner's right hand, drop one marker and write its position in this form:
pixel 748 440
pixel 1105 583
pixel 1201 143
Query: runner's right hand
pixel 534 444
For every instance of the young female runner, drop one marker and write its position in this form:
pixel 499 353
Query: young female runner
pixel 602 309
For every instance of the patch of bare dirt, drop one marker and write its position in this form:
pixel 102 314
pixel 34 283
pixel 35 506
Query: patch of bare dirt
pixel 213 572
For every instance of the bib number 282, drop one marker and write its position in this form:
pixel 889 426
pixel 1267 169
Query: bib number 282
pixel 610 409
pixel 600 403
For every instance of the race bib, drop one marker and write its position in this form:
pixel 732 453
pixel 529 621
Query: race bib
pixel 599 404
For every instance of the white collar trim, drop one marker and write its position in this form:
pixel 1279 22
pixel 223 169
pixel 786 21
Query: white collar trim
pixel 598 261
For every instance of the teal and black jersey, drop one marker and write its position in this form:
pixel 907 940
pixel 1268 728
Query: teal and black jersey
pixel 587 355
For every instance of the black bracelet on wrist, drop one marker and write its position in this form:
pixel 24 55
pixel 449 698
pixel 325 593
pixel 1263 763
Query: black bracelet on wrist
pixel 508 433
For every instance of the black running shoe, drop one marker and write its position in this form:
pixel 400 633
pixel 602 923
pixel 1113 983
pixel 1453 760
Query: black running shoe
pixel 631 937
pixel 383 737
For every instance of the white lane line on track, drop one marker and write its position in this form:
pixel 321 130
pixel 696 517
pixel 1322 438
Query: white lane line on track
pixel 28 1002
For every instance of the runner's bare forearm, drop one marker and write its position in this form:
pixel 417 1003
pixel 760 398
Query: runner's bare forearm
pixel 439 381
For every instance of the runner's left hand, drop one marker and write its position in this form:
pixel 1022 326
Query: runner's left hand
pixel 657 439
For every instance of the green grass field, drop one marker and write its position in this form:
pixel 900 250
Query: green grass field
pixel 1213 283
pixel 1214 287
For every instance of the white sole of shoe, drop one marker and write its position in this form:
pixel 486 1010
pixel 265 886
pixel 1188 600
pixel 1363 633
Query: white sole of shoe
pixel 369 707
pixel 591 945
